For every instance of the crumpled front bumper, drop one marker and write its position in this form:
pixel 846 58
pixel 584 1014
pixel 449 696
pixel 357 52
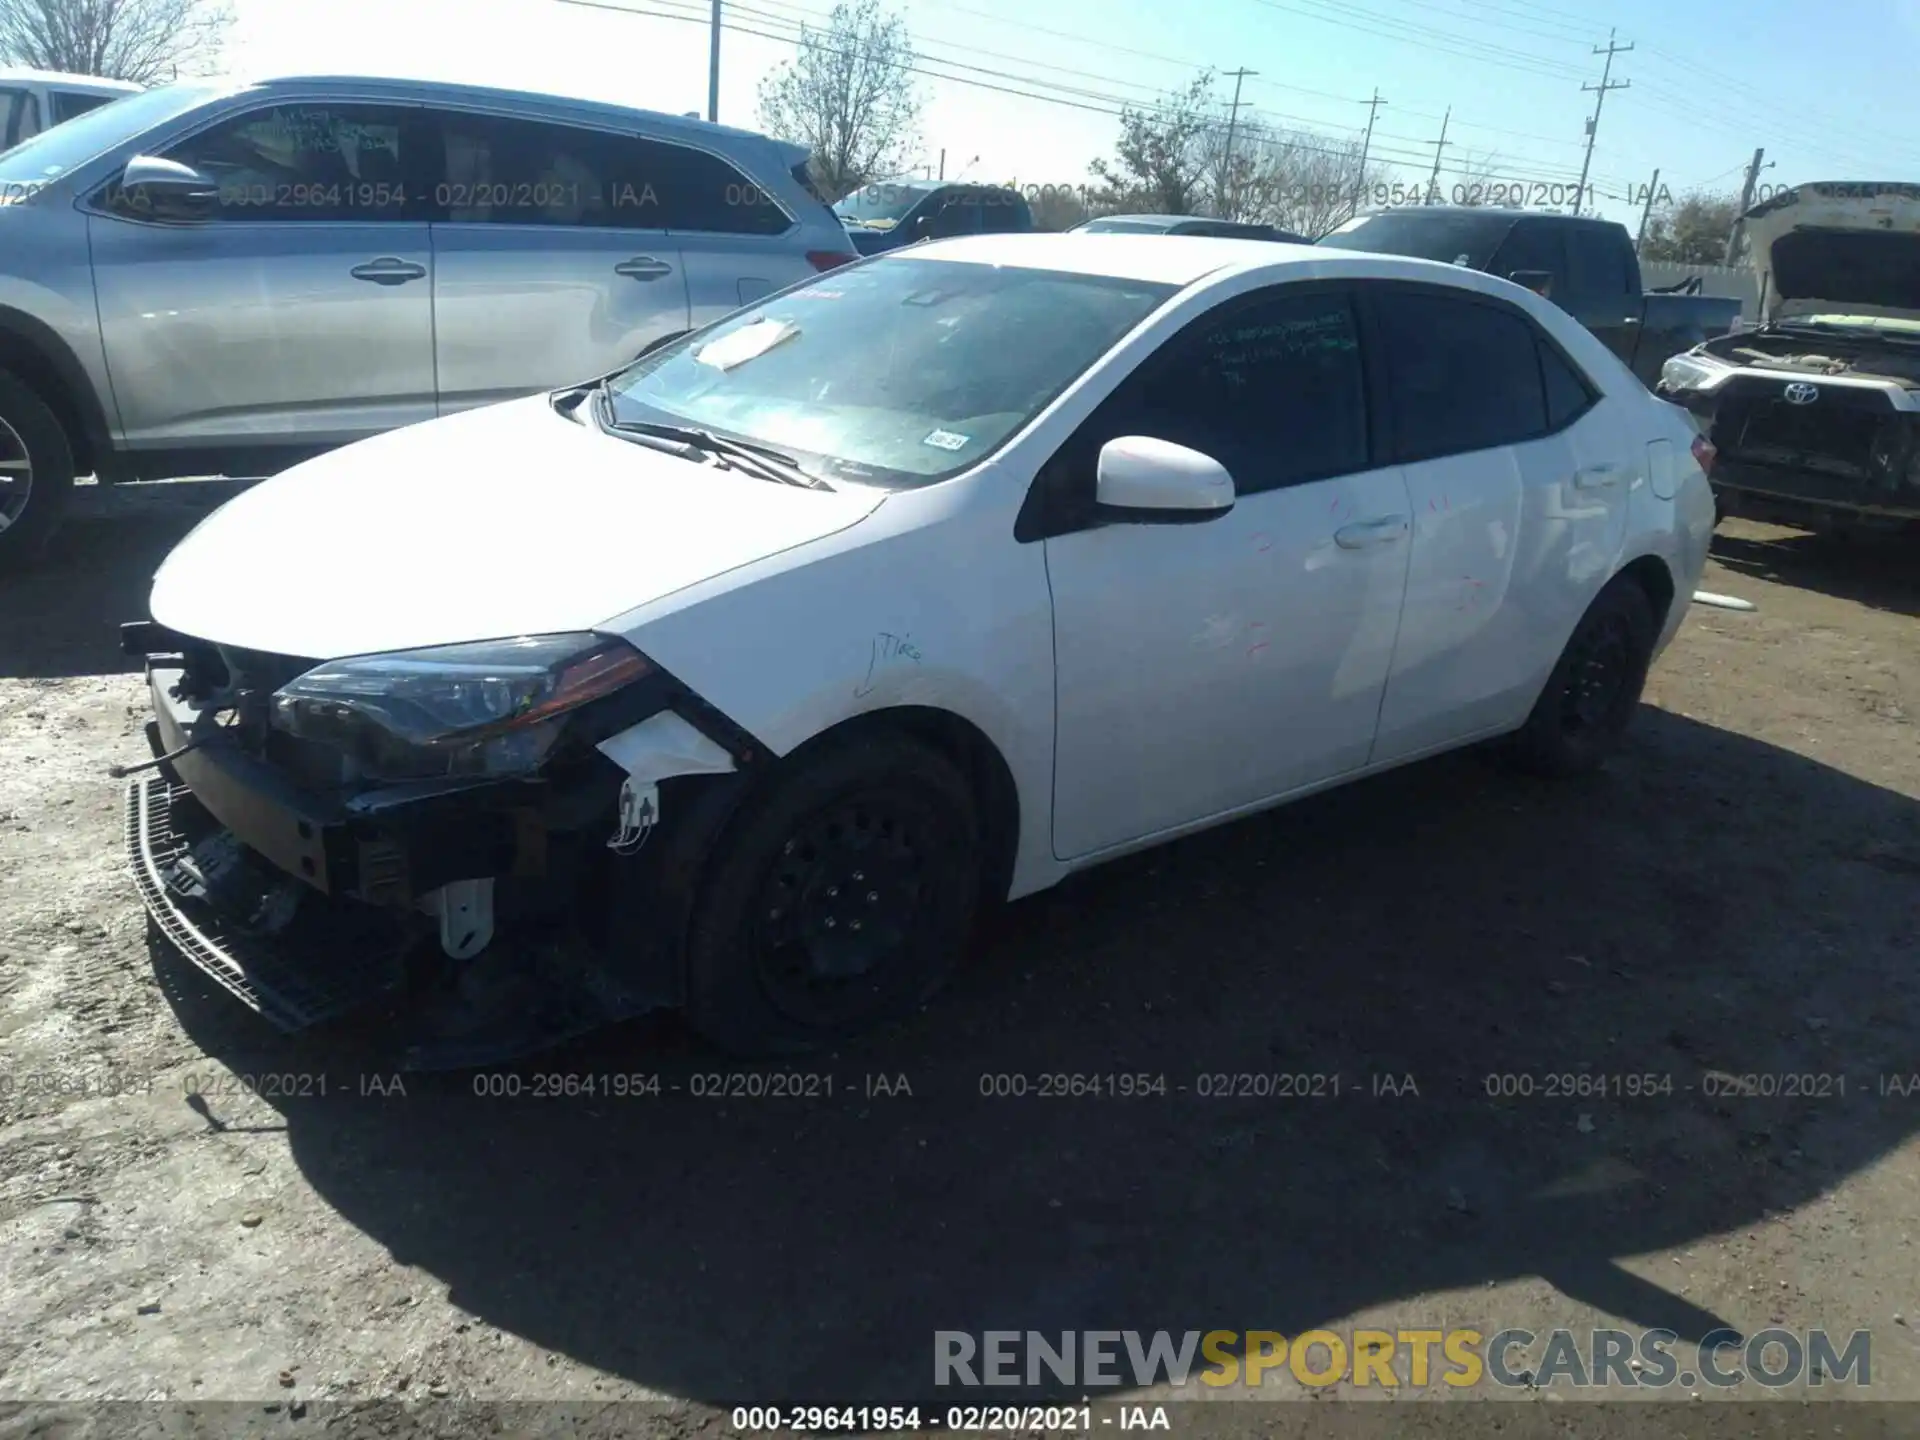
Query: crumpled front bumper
pixel 293 969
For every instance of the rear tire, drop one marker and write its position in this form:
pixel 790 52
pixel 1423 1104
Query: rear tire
pixel 836 900
pixel 36 472
pixel 1582 715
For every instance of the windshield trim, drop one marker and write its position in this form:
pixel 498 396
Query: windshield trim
pixel 824 466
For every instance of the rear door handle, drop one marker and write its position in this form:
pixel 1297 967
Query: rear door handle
pixel 388 271
pixel 1596 477
pixel 1363 533
pixel 643 267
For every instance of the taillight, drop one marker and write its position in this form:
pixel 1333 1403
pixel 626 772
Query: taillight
pixel 1704 453
pixel 824 260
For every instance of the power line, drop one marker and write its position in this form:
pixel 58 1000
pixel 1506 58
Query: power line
pixel 1087 103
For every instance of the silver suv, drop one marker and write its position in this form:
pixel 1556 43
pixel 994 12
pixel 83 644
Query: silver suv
pixel 224 280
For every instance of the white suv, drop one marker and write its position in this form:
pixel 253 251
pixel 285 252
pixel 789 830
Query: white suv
pixel 36 100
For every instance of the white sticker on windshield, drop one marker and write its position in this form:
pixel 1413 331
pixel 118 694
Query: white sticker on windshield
pixel 745 344
pixel 947 440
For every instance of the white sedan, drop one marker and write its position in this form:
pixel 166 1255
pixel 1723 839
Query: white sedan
pixel 760 666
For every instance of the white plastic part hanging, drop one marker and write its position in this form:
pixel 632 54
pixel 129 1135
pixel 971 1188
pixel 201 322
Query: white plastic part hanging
pixel 465 908
pixel 639 813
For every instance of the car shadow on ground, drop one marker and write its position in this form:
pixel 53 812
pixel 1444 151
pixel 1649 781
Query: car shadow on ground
pixel 61 615
pixel 1882 572
pixel 1712 903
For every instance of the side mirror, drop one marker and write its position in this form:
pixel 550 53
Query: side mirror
pixel 1538 281
pixel 922 228
pixel 1156 482
pixel 166 188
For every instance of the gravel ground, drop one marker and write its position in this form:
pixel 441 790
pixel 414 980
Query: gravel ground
pixel 1737 894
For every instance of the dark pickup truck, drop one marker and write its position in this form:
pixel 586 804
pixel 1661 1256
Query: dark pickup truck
pixel 1585 266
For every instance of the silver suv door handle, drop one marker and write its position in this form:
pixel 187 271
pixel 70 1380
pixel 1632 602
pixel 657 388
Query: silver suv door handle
pixel 643 267
pixel 1363 533
pixel 388 271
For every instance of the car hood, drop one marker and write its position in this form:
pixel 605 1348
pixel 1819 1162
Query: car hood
pixel 1838 247
pixel 510 520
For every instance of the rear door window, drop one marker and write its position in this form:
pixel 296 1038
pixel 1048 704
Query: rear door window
pixel 502 170
pixel 1464 373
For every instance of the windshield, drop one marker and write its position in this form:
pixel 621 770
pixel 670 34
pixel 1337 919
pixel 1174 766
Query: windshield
pixel 1125 227
pixel 1444 237
pixel 882 203
pixel 898 372
pixel 52 153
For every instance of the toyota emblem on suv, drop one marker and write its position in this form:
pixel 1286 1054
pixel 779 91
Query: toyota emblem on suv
pixel 1801 393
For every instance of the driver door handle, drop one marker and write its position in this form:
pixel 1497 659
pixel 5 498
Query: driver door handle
pixel 388 271
pixel 1596 477
pixel 1363 533
pixel 643 267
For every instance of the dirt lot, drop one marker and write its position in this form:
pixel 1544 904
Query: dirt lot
pixel 1739 893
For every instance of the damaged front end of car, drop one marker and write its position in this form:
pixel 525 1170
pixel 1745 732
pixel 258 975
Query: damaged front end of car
pixel 452 831
pixel 1814 416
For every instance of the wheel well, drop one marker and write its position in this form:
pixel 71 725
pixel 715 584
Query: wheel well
pixel 45 376
pixel 1650 573
pixel 979 762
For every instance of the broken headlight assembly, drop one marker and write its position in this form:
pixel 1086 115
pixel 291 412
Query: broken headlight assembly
pixel 485 710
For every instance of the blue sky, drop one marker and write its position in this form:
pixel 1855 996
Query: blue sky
pixel 1829 90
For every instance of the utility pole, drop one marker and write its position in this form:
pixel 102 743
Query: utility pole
pixel 1600 98
pixel 1645 214
pixel 1226 170
pixel 1366 147
pixel 1746 199
pixel 943 162
pixel 1433 182
pixel 713 67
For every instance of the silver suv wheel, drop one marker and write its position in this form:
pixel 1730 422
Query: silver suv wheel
pixel 16 475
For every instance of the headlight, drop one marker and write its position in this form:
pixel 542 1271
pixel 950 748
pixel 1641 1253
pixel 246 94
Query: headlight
pixel 491 708
pixel 1684 372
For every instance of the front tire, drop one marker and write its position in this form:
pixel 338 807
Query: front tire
pixel 36 472
pixel 1582 715
pixel 836 900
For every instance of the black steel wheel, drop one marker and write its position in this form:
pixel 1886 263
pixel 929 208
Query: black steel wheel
pixel 1583 713
pixel 839 898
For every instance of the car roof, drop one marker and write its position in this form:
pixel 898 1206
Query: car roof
pixel 1184 260
pixel 1163 222
pixel 1495 212
pixel 95 83
pixel 403 87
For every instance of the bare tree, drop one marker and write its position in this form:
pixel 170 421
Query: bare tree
pixel 1159 164
pixel 145 41
pixel 1308 182
pixel 849 96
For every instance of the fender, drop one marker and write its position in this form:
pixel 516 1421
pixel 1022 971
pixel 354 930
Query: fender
pixel 77 403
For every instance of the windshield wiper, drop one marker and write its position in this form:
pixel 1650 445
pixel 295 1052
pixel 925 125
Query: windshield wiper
pixel 690 442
